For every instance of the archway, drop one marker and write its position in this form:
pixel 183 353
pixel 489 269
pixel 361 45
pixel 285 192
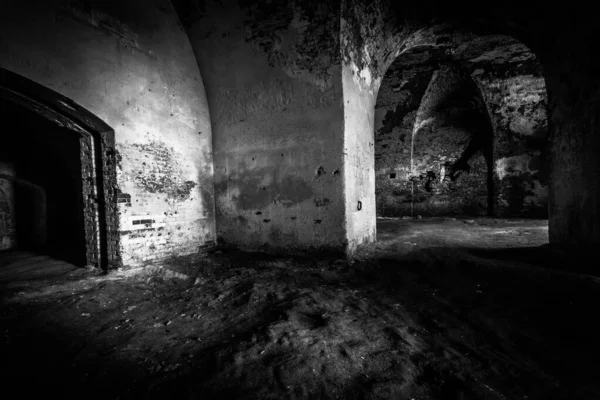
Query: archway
pixel 433 151
pixel 460 129
pixel 60 169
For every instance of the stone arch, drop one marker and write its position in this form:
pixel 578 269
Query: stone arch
pixel 374 35
pixel 97 139
pixel 453 100
pixel 439 122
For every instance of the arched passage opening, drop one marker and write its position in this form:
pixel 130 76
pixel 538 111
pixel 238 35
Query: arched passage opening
pixel 461 130
pixel 57 174
pixel 433 152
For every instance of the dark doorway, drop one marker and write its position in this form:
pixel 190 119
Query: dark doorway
pixel 47 179
pixel 47 138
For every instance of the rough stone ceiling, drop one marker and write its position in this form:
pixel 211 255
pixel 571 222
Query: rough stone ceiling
pixel 499 54
pixel 474 52
pixel 451 96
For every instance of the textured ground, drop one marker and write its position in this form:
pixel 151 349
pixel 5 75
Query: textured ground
pixel 437 309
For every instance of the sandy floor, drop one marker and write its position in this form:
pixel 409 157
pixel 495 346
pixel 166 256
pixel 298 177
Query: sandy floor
pixel 437 309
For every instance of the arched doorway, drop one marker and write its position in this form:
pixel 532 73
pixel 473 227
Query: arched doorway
pixel 460 129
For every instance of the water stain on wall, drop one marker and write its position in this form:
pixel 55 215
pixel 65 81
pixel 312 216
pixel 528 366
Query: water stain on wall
pixel 288 191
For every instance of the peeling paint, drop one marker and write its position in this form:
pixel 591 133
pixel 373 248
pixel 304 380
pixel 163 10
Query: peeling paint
pixel 158 170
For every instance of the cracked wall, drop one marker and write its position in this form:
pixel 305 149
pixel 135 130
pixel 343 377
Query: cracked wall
pixel 133 67
pixel 557 36
pixel 272 79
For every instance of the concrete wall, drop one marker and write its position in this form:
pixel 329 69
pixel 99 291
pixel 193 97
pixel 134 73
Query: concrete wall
pixel 273 82
pixel 130 64
pixel 7 207
pixel 573 86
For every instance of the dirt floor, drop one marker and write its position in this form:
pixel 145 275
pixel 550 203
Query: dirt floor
pixel 436 309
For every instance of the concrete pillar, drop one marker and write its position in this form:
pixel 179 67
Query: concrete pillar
pixel 574 125
pixel 572 72
pixel 359 157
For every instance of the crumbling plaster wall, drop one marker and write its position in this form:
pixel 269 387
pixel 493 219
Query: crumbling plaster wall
pixel 272 74
pixel 131 65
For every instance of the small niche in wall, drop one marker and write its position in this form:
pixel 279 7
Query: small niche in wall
pixel 392 176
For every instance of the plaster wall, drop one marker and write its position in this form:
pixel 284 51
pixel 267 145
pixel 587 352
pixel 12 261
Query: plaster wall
pixel 133 67
pixel 359 154
pixel 278 123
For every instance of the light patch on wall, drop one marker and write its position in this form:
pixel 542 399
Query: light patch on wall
pixel 523 125
pixel 363 78
pixel 511 166
pixel 266 180
pixel 421 124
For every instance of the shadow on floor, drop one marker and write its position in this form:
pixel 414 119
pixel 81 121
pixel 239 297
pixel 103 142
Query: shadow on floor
pixel 16 265
pixel 436 323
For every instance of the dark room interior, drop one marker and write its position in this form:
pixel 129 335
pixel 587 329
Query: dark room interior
pixel 299 199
